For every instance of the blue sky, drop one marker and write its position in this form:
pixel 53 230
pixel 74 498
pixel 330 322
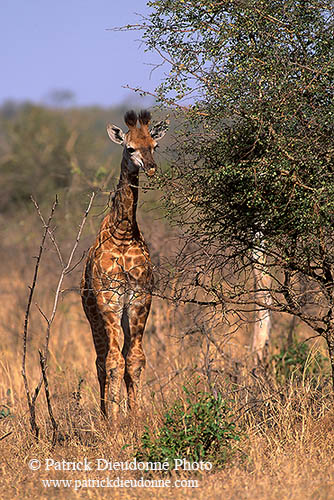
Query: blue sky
pixel 52 45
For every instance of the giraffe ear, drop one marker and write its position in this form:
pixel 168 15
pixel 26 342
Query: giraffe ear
pixel 116 134
pixel 158 130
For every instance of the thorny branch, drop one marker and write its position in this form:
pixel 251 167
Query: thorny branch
pixel 31 400
pixel 48 399
pixel 66 269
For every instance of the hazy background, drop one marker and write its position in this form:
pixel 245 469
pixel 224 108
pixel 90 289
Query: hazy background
pixel 48 47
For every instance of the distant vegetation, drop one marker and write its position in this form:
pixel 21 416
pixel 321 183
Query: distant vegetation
pixel 47 151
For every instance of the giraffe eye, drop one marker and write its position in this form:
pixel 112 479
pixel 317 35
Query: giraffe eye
pixel 131 150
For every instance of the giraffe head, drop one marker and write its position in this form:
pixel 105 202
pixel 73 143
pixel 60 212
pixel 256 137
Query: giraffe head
pixel 139 142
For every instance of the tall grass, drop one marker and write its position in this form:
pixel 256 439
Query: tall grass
pixel 285 416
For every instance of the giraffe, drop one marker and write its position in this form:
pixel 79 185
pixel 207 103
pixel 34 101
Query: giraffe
pixel 116 286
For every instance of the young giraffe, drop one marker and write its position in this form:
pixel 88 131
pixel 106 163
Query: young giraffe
pixel 116 287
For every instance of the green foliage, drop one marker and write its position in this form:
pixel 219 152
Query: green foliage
pixel 261 73
pixel 298 360
pixel 4 412
pixel 44 152
pixel 253 165
pixel 199 428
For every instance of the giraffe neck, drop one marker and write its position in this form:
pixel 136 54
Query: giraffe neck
pixel 122 218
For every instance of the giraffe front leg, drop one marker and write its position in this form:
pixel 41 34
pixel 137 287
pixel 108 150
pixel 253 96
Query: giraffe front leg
pixel 112 374
pixel 133 352
pixel 134 364
pixel 115 366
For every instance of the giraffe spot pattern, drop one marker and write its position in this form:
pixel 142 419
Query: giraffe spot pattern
pixel 117 282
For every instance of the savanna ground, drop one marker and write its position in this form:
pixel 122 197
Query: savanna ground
pixel 283 414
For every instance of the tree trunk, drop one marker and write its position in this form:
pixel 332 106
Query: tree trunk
pixel 329 335
pixel 262 324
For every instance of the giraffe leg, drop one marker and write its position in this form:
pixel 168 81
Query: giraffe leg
pixel 101 342
pixel 135 362
pixel 115 366
pixel 110 367
pixel 102 376
pixel 110 364
pixel 133 327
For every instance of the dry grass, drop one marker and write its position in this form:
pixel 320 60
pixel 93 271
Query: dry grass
pixel 288 451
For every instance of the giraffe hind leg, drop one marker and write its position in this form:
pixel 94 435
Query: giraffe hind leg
pixel 110 373
pixel 109 364
pixel 102 377
pixel 101 342
pixel 125 350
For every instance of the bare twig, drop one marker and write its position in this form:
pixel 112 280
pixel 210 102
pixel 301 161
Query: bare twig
pixel 6 435
pixel 66 269
pixel 48 400
pixel 50 233
pixel 31 400
pixel 170 102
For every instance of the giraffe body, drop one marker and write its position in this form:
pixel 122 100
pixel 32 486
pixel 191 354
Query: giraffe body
pixel 117 283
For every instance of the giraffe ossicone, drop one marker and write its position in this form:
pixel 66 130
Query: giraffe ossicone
pixel 117 282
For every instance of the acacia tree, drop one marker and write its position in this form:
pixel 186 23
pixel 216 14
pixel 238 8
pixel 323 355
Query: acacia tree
pixel 252 172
